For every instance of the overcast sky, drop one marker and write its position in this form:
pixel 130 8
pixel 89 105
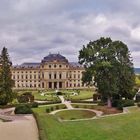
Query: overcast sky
pixel 31 29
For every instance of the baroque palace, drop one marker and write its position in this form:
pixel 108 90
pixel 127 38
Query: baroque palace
pixel 53 72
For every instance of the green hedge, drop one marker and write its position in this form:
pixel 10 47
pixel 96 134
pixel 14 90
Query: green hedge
pixel 55 107
pixel 122 103
pixel 23 109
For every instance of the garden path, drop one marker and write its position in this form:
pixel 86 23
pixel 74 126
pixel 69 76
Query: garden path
pixel 18 127
pixel 67 103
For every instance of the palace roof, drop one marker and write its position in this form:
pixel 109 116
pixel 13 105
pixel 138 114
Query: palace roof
pixel 54 57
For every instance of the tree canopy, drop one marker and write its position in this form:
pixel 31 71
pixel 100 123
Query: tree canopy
pixel 110 63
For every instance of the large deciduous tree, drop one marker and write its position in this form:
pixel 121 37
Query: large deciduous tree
pixel 6 83
pixel 110 64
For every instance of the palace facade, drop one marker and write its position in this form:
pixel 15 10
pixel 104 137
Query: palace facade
pixel 53 72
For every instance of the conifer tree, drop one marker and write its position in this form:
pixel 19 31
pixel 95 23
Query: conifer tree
pixel 6 82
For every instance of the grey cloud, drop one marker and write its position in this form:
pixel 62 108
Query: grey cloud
pixel 33 28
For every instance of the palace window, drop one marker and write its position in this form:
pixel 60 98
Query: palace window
pixel 42 75
pixel 13 76
pixel 78 75
pixel 50 76
pixel 60 76
pixel 55 76
pixel 43 85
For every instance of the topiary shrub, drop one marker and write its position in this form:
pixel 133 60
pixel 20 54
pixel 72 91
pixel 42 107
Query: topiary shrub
pixel 23 109
pixel 48 110
pixel 34 105
pixel 59 93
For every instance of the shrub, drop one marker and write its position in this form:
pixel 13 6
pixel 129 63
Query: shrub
pixel 63 107
pixel 23 109
pixel 57 107
pixel 128 103
pixel 59 93
pixel 51 108
pixel 34 105
pixel 72 118
pixel 48 110
pixel 76 106
pixel 122 103
pixel 26 97
pixel 96 96
pixel 101 103
pixel 138 104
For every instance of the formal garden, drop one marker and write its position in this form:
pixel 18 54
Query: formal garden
pixel 108 110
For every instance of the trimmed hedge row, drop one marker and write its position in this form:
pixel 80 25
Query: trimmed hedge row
pixel 55 100
pixel 55 107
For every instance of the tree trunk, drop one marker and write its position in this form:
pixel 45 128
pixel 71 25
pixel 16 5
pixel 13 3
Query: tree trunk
pixel 109 103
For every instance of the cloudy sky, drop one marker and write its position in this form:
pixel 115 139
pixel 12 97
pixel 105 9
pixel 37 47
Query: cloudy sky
pixel 31 29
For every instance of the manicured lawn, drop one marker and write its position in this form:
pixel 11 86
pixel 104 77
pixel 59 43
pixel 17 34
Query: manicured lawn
pixel 48 97
pixel 120 127
pixel 75 114
pixel 83 95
